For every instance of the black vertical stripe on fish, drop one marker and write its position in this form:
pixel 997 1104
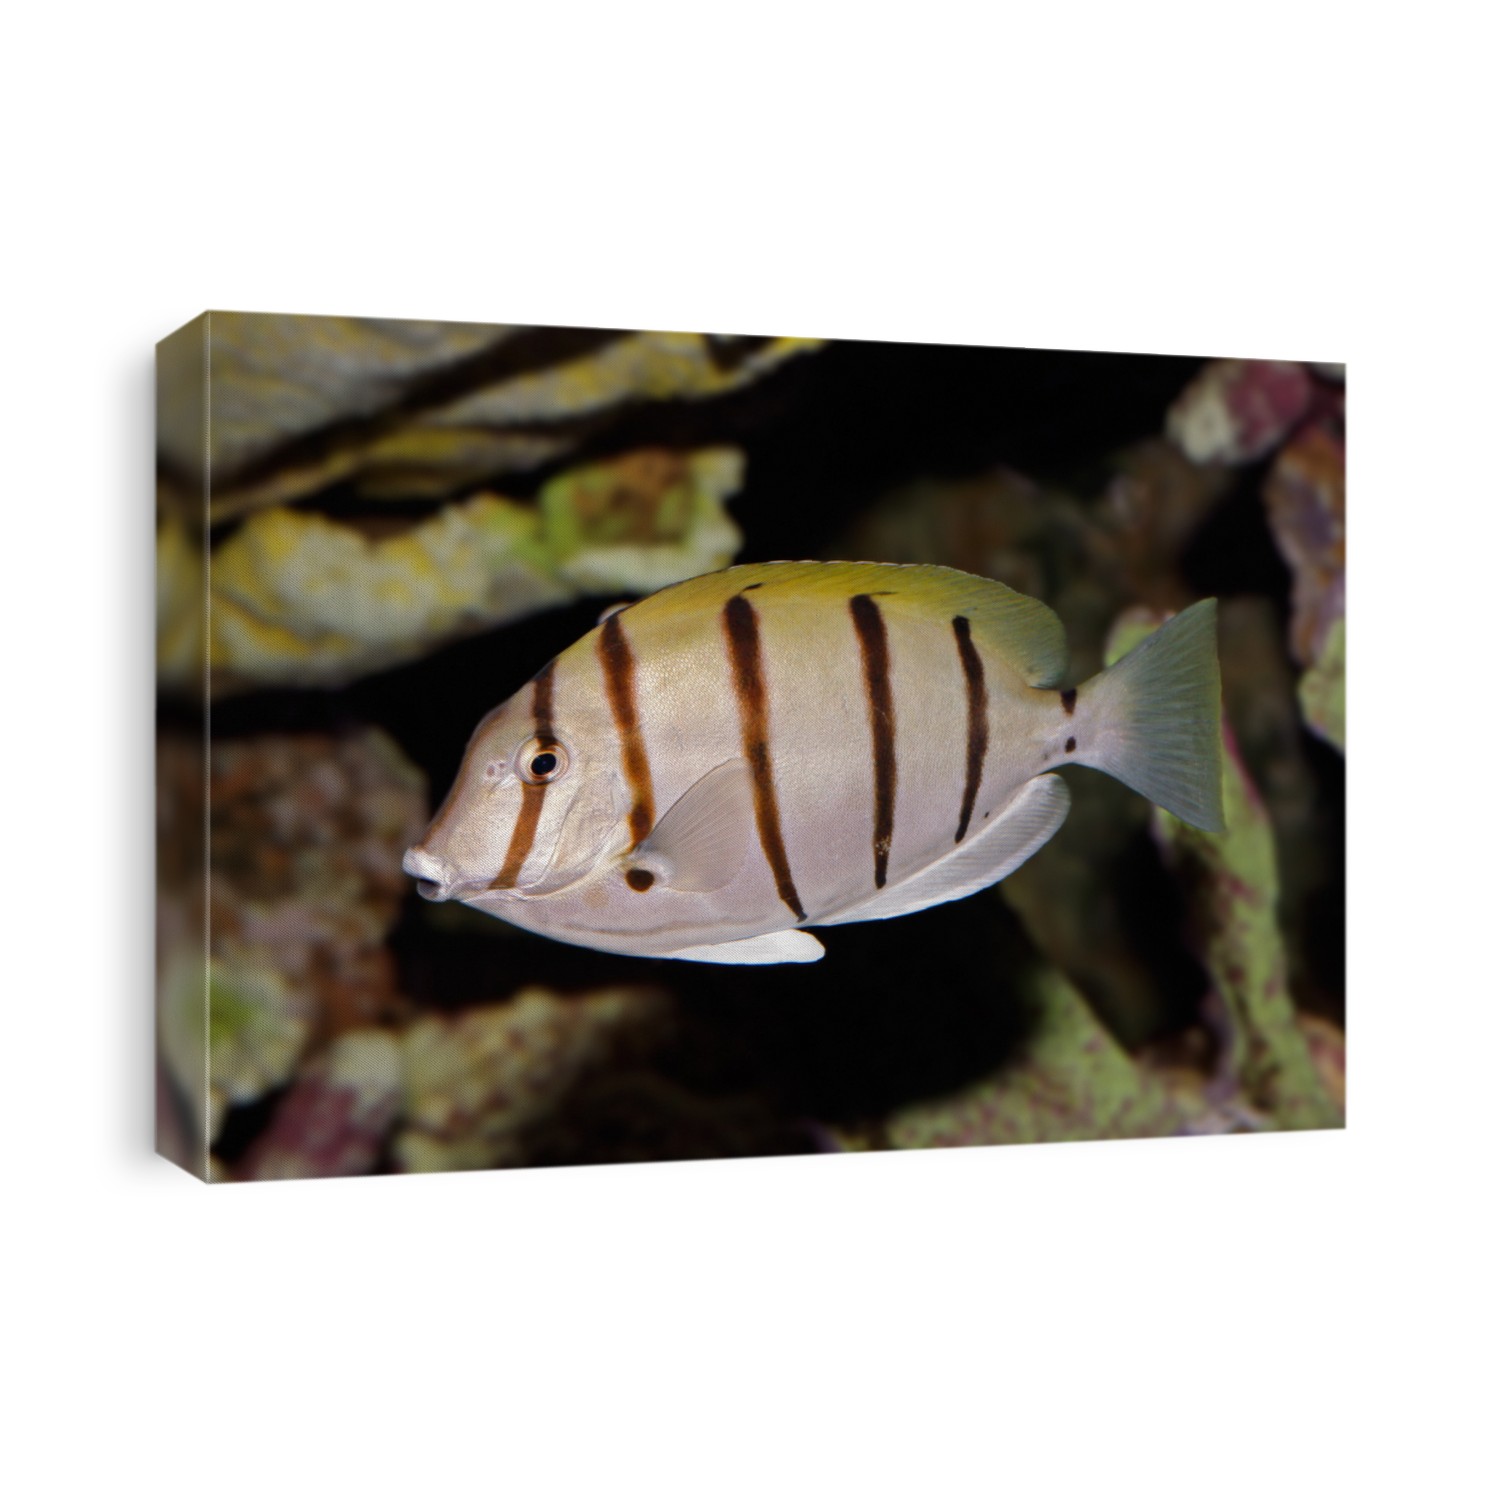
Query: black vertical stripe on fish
pixel 523 835
pixel 742 635
pixel 875 652
pixel 541 709
pixel 541 701
pixel 979 724
pixel 618 661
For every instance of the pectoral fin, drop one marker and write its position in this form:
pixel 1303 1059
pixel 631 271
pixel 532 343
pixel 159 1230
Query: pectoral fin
pixel 701 841
pixel 788 947
pixel 1033 815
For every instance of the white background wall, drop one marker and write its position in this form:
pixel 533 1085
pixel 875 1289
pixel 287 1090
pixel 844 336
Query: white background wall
pixel 1283 1316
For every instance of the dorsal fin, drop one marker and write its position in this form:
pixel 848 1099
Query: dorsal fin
pixel 1022 630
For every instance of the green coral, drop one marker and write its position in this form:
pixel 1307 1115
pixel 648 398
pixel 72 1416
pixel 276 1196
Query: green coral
pixel 1321 690
pixel 1232 885
pixel 642 521
pixel 1070 1082
pixel 256 1032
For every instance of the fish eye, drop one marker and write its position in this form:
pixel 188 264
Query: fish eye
pixel 541 761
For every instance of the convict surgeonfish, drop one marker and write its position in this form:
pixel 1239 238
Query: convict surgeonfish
pixel 718 767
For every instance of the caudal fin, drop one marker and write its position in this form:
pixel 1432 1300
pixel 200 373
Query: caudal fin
pixel 1153 718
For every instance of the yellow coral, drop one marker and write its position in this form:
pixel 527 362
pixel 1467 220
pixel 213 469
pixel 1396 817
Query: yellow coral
pixel 296 597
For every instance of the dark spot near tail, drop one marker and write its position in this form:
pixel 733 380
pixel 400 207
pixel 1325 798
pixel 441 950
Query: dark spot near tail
pixel 748 587
pixel 1071 746
pixel 1069 698
pixel 640 880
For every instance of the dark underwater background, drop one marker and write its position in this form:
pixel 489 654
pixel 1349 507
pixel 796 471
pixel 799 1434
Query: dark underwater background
pixel 378 531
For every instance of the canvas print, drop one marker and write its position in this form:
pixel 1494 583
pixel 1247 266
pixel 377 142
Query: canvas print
pixel 584 746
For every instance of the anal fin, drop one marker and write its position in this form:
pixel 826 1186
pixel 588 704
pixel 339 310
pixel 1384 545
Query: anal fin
pixel 787 947
pixel 1033 815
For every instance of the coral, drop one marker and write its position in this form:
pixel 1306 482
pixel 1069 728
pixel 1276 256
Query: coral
pixel 643 520
pixel 630 367
pixel 279 377
pixel 1304 495
pixel 402 409
pixel 256 1029
pixel 1072 898
pixel 998 525
pixel 179 602
pixel 476 1082
pixel 1326 1042
pixel 1087 560
pixel 1321 691
pixel 1305 505
pixel 334 1120
pixel 305 839
pixel 1070 1082
pixel 296 597
pixel 1261 704
pixel 1239 410
pixel 381 489
pixel 1154 505
pixel 625 1114
pixel 1231 883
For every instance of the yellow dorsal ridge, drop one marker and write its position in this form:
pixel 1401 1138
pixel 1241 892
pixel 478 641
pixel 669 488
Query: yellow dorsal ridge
pixel 1022 630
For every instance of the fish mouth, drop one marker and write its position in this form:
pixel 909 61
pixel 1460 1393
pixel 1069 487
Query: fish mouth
pixel 435 879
